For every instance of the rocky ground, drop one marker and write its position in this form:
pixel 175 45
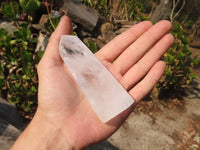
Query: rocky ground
pixel 160 125
pixel 168 127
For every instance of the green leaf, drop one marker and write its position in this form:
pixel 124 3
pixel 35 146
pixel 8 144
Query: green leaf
pixel 52 23
pixel 185 39
pixel 192 76
pixel 32 90
pixel 27 106
pixel 13 61
pixel 15 7
pixel 27 109
pixel 30 6
pixel 34 40
pixel 27 72
pixel 180 55
pixel 10 10
pixel 168 72
pixel 23 33
pixel 2 81
pixel 15 99
pixel 4 34
pixel 40 54
pixel 1 68
pixel 23 3
pixel 3 5
pixel 24 25
pixel 17 85
pixel 194 62
pixel 92 46
pixel 74 33
pixel 15 51
pixel 28 57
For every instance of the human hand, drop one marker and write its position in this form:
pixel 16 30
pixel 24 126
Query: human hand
pixel 132 57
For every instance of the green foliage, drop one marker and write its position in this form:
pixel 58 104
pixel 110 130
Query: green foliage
pixel 10 10
pixel 178 74
pixel 92 45
pixel 74 33
pixel 190 22
pixel 129 9
pixel 155 1
pixel 29 6
pixel 52 23
pixel 18 75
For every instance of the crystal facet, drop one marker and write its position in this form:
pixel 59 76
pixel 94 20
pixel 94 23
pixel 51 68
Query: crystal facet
pixel 105 94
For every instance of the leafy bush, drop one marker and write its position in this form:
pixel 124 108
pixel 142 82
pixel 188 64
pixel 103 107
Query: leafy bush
pixel 129 9
pixel 18 61
pixel 18 76
pixel 190 22
pixel 11 10
pixel 178 74
pixel 29 6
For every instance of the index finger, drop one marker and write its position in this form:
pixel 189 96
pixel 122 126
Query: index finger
pixel 115 47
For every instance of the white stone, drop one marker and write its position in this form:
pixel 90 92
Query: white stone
pixel 105 94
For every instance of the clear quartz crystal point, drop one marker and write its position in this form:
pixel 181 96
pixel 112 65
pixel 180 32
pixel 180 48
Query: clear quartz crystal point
pixel 105 94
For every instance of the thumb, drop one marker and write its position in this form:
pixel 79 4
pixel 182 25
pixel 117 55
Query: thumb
pixel 63 28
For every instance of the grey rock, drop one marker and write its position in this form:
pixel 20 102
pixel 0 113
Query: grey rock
pixel 192 103
pixel 44 19
pixel 162 11
pixel 11 124
pixel 107 33
pixel 137 133
pixel 8 135
pixel 105 145
pixel 9 113
pixel 54 13
pixel 8 25
pixel 123 29
pixel 36 26
pixel 80 14
pixel 125 22
pixel 160 131
pixel 42 43
pixel 106 27
pixel 42 22
pixel 195 43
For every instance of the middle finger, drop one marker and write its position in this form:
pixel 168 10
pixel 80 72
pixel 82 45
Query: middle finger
pixel 136 51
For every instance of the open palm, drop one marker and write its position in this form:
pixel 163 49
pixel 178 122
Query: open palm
pixel 132 57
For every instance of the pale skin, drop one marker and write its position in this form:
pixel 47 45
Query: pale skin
pixel 64 119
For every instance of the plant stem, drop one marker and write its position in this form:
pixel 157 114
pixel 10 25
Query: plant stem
pixel 50 16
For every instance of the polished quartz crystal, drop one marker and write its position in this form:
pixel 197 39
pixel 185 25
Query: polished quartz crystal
pixel 105 94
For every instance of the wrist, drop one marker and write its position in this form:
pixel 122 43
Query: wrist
pixel 41 134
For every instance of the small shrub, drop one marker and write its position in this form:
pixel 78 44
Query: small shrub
pixel 121 10
pixel 10 10
pixel 29 6
pixel 18 62
pixel 18 75
pixel 178 74
pixel 190 22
